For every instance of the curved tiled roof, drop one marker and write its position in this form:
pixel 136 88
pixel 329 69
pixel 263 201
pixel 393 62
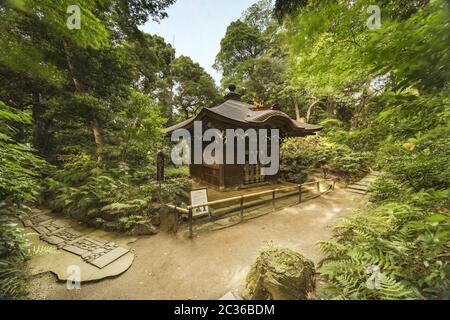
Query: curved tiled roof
pixel 246 114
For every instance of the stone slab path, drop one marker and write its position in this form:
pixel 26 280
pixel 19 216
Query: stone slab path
pixel 97 252
pixel 97 256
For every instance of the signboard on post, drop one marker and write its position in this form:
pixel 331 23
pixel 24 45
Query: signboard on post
pixel 199 197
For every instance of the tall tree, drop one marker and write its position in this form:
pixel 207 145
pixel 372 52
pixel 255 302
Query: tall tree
pixel 73 73
pixel 240 44
pixel 253 57
pixel 194 88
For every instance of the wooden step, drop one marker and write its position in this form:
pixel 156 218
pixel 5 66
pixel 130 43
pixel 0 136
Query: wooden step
pixel 369 178
pixel 362 184
pixel 357 187
pixel 365 182
pixel 357 191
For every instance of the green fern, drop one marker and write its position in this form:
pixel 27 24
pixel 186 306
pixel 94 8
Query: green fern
pixel 40 250
pixel 404 241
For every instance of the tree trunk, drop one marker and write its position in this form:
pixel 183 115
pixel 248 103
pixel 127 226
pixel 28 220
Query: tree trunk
pixel 308 113
pixel 93 123
pixel 41 126
pixel 72 69
pixel 297 111
pixel 98 138
pixel 359 109
pixel 330 107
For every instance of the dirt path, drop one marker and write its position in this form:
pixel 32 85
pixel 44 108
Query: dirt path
pixel 169 267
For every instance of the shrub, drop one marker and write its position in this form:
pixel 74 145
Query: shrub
pixel 422 161
pixel 177 172
pixel 297 155
pixel 385 188
pixel 20 170
pixel 13 253
pixel 113 198
pixel 349 165
pixel 300 154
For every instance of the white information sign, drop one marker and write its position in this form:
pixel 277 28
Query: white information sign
pixel 199 197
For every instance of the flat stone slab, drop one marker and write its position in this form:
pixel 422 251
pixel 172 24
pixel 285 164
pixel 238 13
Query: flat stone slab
pixel 94 251
pixel 54 240
pixel 363 184
pixel 61 237
pixel 33 220
pixel 49 227
pixel 109 257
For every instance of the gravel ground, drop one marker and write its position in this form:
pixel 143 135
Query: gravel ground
pixel 214 263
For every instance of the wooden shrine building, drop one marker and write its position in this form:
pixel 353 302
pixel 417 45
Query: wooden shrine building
pixel 235 114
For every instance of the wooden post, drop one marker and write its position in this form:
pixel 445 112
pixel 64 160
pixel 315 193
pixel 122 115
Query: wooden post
pixel 334 185
pixel 318 187
pixel 299 193
pixel 242 208
pixel 273 200
pixel 191 234
pixel 175 213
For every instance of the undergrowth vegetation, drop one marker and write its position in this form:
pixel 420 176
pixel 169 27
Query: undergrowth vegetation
pixel 405 231
pixel 115 199
pixel 300 155
pixel 20 172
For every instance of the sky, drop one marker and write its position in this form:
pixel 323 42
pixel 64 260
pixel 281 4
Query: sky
pixel 198 27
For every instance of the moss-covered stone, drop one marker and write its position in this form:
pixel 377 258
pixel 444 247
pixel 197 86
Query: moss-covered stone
pixel 143 229
pixel 280 274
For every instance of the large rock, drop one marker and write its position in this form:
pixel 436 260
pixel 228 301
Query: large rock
pixel 280 274
pixel 143 229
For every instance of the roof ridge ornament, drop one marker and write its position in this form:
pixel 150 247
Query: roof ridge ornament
pixel 231 95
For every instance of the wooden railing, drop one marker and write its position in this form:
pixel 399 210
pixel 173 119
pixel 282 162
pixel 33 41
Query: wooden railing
pixel 241 198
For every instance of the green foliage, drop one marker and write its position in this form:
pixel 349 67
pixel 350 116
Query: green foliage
pixel 194 87
pixel 99 96
pixel 300 154
pixel 253 57
pixel 407 241
pixel 348 164
pixel 13 252
pixel 20 171
pixel 19 166
pixel 114 198
pixel 177 172
pixel 284 8
pixel 386 188
pixel 421 161
pixel 140 122
pixel 241 43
